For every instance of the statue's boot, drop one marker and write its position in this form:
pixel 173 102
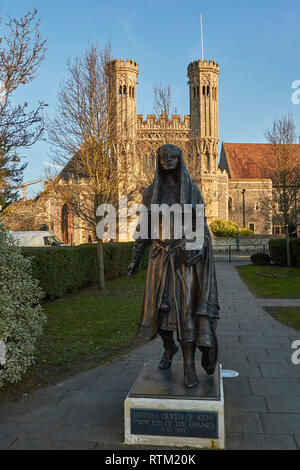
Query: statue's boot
pixel 188 351
pixel 208 345
pixel 170 349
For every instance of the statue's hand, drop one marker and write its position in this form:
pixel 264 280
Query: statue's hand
pixel 132 270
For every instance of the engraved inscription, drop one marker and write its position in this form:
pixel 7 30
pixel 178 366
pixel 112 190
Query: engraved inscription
pixel 174 423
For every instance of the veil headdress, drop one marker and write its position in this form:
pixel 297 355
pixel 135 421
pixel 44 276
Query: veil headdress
pixel 189 192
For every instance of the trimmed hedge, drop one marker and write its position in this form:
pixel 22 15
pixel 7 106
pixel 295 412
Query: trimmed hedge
pixel 65 269
pixel 260 258
pixel 278 251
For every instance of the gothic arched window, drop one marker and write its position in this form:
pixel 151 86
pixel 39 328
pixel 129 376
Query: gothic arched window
pixel 230 203
pixel 130 92
pixel 120 90
pixel 151 161
pixel 124 90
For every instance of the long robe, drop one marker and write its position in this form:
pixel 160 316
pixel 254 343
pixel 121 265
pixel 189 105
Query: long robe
pixel 190 290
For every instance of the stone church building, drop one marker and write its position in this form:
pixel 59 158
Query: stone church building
pixel 231 184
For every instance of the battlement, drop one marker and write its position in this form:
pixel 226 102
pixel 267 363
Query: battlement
pixel 119 63
pixel 152 118
pixel 199 65
pixel 151 122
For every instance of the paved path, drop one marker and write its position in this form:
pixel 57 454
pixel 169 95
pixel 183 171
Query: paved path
pixel 262 405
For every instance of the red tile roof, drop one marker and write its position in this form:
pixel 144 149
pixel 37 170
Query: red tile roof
pixel 246 161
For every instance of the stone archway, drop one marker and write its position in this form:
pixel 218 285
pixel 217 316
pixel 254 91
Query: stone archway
pixel 66 224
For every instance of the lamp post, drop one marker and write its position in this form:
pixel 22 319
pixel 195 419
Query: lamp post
pixel 237 217
pixel 244 212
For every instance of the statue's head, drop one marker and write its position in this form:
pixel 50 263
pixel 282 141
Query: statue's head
pixel 169 157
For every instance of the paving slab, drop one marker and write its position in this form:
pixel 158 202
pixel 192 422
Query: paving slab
pixel 297 439
pixel 287 387
pixel 276 423
pixel 239 421
pixel 246 403
pixel 245 369
pixel 6 442
pixel 238 386
pixel 46 444
pixel 260 442
pixel 283 405
pixel 279 370
pixel 15 430
pixel 91 433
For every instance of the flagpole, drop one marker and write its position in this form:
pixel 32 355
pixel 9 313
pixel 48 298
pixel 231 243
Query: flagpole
pixel 201 36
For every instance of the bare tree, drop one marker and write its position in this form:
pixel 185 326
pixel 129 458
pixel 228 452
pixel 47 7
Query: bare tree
pixel 163 100
pixel 22 52
pixel 163 109
pixel 282 167
pixel 86 140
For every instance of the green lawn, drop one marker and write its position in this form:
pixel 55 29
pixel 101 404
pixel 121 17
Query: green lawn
pixel 290 316
pixel 271 281
pixel 83 330
pixel 90 323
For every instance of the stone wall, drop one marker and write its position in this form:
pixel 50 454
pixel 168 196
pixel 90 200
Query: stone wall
pixel 244 241
pixel 254 190
pixel 26 215
pixel 44 213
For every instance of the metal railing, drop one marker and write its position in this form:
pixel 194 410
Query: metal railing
pixel 233 253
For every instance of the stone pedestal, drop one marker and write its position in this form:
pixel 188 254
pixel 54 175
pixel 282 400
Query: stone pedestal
pixel 160 410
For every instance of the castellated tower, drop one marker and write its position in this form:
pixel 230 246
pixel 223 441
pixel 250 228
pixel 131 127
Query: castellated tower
pixel 123 81
pixel 203 83
pixel 204 125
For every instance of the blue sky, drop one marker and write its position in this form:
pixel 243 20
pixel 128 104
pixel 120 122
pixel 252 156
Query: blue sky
pixel 255 42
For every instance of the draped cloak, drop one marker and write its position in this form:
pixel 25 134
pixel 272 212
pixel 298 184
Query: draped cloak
pixel 190 290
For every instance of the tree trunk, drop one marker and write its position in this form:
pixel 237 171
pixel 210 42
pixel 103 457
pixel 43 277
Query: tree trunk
pixel 101 280
pixel 288 248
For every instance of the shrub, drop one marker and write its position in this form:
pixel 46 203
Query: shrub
pixel 21 316
pixel 295 248
pixel 278 251
pixel 227 228
pixel 260 258
pixel 224 228
pixel 245 232
pixel 65 269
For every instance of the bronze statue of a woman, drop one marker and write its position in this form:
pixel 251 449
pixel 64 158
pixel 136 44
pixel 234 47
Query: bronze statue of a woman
pixel 181 288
